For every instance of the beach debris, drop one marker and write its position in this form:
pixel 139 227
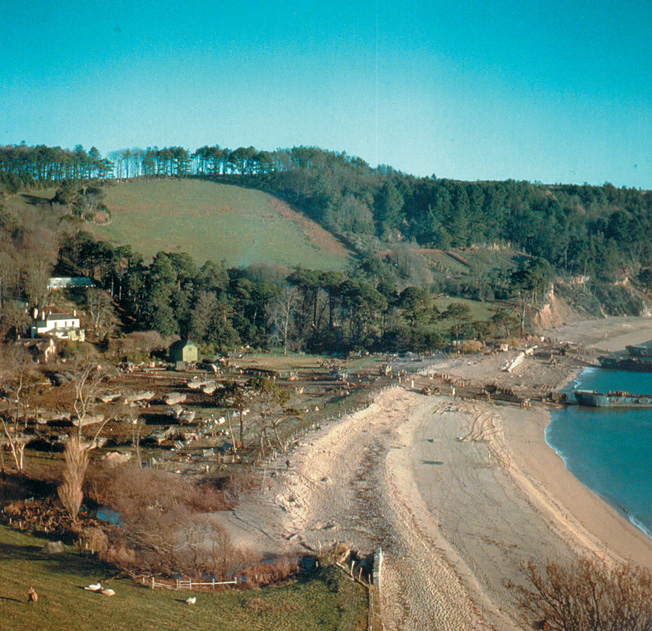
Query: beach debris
pixel 138 396
pixel 116 457
pixel 173 398
pixel 32 596
pixel 187 416
pixel 161 436
pixel 88 419
pixel 510 365
pixel 109 397
pixel 209 388
pixel 175 411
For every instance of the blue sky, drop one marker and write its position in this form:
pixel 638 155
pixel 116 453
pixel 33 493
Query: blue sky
pixel 535 90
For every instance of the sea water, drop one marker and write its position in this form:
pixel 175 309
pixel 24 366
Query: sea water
pixel 609 450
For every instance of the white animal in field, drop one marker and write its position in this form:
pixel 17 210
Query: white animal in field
pixel 191 600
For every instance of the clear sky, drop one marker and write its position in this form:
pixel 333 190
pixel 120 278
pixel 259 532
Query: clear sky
pixel 539 90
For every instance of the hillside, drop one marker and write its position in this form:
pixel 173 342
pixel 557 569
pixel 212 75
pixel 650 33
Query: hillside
pixel 216 221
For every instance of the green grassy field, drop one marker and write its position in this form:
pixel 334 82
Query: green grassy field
pixel 328 600
pixel 480 311
pixel 216 221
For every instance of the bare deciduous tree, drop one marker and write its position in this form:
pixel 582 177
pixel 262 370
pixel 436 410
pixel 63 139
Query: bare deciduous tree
pixel 236 397
pixel 588 595
pixel 269 399
pixel 18 377
pixel 87 386
pixel 282 315
pixel 102 315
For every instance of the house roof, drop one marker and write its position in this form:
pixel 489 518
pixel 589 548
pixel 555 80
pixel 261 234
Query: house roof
pixel 60 316
pixel 179 344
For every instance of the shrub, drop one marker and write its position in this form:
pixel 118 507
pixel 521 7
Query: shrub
pixel 70 490
pixel 589 596
pixel 165 523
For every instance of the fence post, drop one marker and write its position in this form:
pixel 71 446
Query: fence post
pixel 375 587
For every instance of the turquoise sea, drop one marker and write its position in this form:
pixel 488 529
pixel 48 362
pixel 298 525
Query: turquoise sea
pixel 609 451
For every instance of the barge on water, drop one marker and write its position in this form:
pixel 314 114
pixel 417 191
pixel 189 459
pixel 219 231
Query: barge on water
pixel 640 350
pixel 638 358
pixel 594 399
pixel 635 364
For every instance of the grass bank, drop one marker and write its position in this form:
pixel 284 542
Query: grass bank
pixel 323 601
pixel 217 221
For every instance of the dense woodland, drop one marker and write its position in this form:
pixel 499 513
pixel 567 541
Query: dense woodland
pixel 564 231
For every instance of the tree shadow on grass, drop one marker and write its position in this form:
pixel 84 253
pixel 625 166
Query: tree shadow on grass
pixel 34 200
pixel 68 562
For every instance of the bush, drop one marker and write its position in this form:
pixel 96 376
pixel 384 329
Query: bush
pixel 471 346
pixel 138 347
pixel 165 524
pixel 588 596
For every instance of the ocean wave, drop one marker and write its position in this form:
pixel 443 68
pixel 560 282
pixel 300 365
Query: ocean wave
pixel 635 522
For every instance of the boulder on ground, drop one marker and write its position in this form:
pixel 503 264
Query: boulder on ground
pixel 53 547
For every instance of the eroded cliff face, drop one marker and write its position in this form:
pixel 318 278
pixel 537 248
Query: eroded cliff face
pixel 554 312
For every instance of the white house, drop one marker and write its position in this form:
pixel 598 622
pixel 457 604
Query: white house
pixel 64 326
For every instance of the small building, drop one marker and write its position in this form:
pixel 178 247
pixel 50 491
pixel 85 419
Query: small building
pixel 184 351
pixel 67 282
pixel 64 326
pixel 41 351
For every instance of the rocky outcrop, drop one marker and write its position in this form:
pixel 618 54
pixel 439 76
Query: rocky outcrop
pixel 555 312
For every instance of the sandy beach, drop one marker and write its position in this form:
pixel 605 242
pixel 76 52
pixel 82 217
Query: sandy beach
pixel 459 493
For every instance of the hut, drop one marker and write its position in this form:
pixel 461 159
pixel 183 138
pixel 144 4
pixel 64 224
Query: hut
pixel 183 351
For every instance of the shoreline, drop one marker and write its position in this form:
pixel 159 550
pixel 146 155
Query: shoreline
pixel 523 477
pixel 610 336
pixel 607 335
pixel 459 493
pixel 608 533
pixel 624 513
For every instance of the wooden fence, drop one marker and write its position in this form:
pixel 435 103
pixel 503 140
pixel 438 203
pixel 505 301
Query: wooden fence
pixel 374 615
pixel 189 584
